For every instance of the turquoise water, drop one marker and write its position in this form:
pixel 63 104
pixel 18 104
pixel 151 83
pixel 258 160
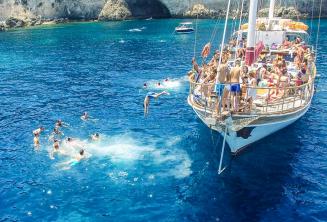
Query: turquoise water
pixel 159 168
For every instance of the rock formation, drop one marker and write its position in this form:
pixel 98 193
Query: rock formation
pixel 201 11
pixel 32 12
pixel 115 10
pixel 283 12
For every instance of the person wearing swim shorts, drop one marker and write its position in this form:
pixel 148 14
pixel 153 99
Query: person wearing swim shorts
pixel 235 87
pixel 223 72
pixel 147 98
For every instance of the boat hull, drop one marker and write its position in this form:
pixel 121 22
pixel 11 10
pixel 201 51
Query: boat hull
pixel 184 31
pixel 259 129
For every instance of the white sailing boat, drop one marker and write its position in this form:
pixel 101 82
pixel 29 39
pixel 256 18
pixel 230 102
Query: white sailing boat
pixel 276 104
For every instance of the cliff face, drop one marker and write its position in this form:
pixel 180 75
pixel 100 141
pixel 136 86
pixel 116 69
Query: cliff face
pixel 50 9
pixel 90 9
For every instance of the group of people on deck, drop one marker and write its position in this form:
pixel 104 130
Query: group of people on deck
pixel 236 84
pixel 59 144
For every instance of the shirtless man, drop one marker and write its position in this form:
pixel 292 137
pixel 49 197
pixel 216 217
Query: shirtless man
pixel 36 142
pixel 38 131
pixel 147 98
pixel 55 148
pixel 223 71
pixel 235 87
pixel 36 134
pixel 60 123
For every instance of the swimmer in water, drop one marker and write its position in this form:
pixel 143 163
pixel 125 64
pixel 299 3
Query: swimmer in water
pixel 95 137
pixel 75 160
pixel 36 142
pixel 36 134
pixel 55 148
pixel 145 86
pixel 38 131
pixel 85 116
pixel 60 123
pixel 148 97
pixel 55 133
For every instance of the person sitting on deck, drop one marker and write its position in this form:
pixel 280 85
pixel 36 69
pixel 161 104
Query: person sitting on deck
pixel 287 44
pixel 147 98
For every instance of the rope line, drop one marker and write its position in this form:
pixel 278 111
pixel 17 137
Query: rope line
pixel 196 33
pixel 318 31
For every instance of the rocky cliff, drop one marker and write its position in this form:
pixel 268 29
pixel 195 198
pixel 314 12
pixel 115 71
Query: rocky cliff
pixel 31 12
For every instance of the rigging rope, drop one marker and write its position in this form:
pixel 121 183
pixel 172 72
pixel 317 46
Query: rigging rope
pixel 223 40
pixel 195 36
pixel 239 28
pixel 311 25
pixel 317 39
pixel 213 35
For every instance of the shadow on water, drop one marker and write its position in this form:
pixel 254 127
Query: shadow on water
pixel 253 182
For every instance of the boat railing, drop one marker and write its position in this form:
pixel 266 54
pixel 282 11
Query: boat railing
pixel 272 100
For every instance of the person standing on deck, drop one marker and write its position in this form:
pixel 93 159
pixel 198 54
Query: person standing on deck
pixel 235 84
pixel 223 72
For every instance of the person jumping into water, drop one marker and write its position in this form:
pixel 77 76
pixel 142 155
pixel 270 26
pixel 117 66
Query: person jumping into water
pixel 147 98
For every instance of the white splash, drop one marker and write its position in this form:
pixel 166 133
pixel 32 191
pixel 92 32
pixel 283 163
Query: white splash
pixel 169 84
pixel 135 30
pixel 124 149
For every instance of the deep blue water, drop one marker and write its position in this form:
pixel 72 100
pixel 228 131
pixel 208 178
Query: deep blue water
pixel 160 168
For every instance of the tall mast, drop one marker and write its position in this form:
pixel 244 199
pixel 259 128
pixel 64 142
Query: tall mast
pixel 271 9
pixel 250 50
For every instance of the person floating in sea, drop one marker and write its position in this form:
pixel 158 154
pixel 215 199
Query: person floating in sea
pixel 75 160
pixel 55 148
pixel 95 137
pixel 147 98
pixel 36 138
pixel 36 142
pixel 85 116
pixel 38 131
pixel 55 134
pixel 145 85
pixel 60 123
